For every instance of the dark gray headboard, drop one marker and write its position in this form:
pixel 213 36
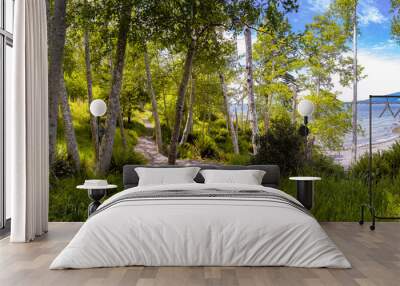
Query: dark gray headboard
pixel 271 177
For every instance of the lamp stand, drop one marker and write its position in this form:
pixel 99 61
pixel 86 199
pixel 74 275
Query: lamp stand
pixel 97 141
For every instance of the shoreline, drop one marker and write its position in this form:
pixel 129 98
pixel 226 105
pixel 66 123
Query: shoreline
pixel 343 157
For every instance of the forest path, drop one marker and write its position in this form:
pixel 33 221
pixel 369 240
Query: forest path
pixel 148 148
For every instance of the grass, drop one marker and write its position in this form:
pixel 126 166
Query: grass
pixel 339 199
pixel 70 204
pixel 66 202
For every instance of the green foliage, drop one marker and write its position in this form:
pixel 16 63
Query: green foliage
pixel 283 146
pixel 206 147
pixel 63 167
pixel 321 165
pixel 76 86
pixel 123 157
pixel 385 164
pixel 324 46
pixel 396 19
pixel 339 195
pixel 331 120
pixel 66 203
pixel 239 159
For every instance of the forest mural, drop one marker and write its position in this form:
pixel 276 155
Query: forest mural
pixel 188 81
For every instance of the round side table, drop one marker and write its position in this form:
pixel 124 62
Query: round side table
pixel 305 190
pixel 95 193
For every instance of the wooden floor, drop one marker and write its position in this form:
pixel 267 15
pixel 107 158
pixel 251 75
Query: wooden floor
pixel 375 257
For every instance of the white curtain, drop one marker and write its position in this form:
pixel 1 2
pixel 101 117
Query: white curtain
pixel 27 124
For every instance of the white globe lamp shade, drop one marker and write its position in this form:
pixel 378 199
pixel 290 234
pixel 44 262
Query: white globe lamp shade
pixel 98 107
pixel 305 107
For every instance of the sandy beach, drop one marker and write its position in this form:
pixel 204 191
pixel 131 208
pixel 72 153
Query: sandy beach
pixel 343 157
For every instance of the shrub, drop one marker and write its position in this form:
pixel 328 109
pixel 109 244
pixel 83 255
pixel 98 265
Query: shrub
pixel 321 165
pixel 282 146
pixel 187 150
pixel 207 148
pixel 239 159
pixel 221 137
pixel 123 157
pixel 385 164
pixel 63 167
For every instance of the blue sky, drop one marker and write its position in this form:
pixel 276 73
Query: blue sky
pixel 374 20
pixel 378 52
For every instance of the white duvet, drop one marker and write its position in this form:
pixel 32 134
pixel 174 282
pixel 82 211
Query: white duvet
pixel 200 231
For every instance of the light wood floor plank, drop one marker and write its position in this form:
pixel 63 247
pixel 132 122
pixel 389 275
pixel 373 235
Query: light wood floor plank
pixel 375 257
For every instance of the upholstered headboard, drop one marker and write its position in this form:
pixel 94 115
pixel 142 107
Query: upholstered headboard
pixel 271 177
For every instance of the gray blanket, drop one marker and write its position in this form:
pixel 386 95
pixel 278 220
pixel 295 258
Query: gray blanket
pixel 205 194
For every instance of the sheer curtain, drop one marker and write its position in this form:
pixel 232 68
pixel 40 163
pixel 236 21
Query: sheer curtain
pixel 27 124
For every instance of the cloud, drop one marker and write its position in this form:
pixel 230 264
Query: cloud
pixel 382 76
pixel 319 5
pixel 386 46
pixel 369 13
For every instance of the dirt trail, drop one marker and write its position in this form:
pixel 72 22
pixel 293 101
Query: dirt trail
pixel 148 148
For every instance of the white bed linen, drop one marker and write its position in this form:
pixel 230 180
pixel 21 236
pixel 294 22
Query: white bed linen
pixel 200 231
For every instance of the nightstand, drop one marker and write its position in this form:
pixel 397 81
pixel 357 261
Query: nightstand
pixel 95 193
pixel 305 190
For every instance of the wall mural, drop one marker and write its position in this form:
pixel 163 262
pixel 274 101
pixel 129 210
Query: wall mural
pixel 218 82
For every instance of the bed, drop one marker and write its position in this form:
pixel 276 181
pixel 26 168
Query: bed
pixel 198 224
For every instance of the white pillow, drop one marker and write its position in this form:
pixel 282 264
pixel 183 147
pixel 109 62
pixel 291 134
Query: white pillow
pixel 166 176
pixel 247 177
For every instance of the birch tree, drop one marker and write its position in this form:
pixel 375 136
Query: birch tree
pixel 154 105
pixel 346 10
pixel 276 58
pixel 189 121
pixel 229 121
pixel 89 78
pixel 107 141
pixel 250 90
pixel 324 53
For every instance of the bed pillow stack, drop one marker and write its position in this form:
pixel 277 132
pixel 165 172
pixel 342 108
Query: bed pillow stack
pixel 166 176
pixel 246 177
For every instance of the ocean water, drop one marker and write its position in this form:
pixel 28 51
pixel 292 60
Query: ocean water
pixel 382 127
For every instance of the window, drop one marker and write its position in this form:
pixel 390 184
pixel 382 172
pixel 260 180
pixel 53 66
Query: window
pixel 6 65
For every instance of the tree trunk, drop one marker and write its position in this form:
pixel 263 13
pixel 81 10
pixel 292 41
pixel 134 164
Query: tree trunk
pixel 229 121
pixel 180 103
pixel 154 105
pixel 89 81
pixel 56 41
pixel 242 107
pixel 266 115
pixel 122 130
pixel 247 116
pixel 69 132
pixel 355 82
pixel 294 105
pixel 107 142
pixel 189 122
pixel 237 120
pixel 250 90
